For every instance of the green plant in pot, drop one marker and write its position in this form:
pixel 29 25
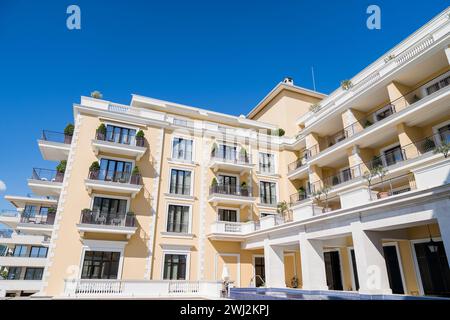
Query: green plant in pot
pixel 346 84
pixel 60 170
pixel 283 210
pixel 94 170
pixel 135 176
pixel 367 124
pixel 428 145
pixel 96 94
pixel 140 138
pixel 68 133
pixel 243 155
pixel 244 188
pixel 214 185
pixel 214 149
pixel 444 148
pixel 101 132
pixel 278 132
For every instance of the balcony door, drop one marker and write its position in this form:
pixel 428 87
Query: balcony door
pixel 260 271
pixel 384 113
pixel 114 170
pixel 227 152
pixel 444 134
pixel 108 209
pixel 393 155
pixel 228 215
pixel 119 134
pixel 100 265
pixel 228 183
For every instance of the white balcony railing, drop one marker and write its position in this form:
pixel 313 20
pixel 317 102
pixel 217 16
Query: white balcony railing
pixel 232 227
pixel 137 288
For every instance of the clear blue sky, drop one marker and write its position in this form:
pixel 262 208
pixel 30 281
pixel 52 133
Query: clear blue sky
pixel 220 55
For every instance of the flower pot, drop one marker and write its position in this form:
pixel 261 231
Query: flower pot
pixel 382 195
pixel 67 139
pixel 135 179
pixel 59 177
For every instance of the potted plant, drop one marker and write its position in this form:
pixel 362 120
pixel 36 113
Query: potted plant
pixel 135 176
pixel 325 191
pixel 243 155
pixel 428 145
pixel 140 138
pixel 101 132
pixel 283 210
pixel 244 189
pixel 94 170
pixel 278 132
pixel 96 94
pixel 368 123
pixel 301 193
pixel 368 176
pixel 214 149
pixel 314 107
pixel 214 185
pixel 60 170
pixel 68 133
pixel 346 84
pixel 381 172
pixel 444 148
pixel 294 282
pixel 86 215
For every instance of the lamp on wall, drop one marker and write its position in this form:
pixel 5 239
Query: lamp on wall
pixel 432 246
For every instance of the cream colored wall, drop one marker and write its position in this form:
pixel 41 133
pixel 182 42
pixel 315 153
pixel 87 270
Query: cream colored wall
pixel 66 256
pixel 284 109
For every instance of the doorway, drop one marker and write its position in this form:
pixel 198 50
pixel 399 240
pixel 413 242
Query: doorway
pixel 333 270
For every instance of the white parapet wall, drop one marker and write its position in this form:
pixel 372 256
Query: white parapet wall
pixel 77 288
pixel 436 174
pixel 305 210
pixel 357 196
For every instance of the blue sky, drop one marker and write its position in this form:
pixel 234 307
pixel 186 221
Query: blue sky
pixel 220 55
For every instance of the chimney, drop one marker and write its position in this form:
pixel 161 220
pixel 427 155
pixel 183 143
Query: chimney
pixel 289 81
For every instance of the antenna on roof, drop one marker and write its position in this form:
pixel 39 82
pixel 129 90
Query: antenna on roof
pixel 313 78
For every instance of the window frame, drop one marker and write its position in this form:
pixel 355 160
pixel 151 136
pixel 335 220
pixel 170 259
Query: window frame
pixel 172 157
pixel 166 220
pixel 191 187
pixel 176 252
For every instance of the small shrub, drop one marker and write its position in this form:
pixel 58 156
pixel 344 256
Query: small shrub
pixel 68 130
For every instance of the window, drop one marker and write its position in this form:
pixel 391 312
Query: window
pixel 20 251
pixel 180 182
pixel 178 219
pixel 30 210
pixel 14 273
pixel 182 149
pixel 227 215
pixel 175 267
pixel 119 134
pixel 438 85
pixel 267 192
pixel 43 211
pixel 38 252
pixel 34 273
pixel 109 208
pixel 346 174
pixel 100 265
pixel 260 274
pixel 266 163
pixel 226 152
pixel 116 171
pixel 393 155
pixel 444 134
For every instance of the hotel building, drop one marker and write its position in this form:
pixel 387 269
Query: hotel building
pixel 348 191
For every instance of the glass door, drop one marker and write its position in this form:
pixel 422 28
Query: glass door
pixel 228 183
pixel 333 270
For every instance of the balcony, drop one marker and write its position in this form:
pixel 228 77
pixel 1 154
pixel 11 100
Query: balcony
pixel 107 223
pixel 427 102
pixel 13 261
pixel 54 146
pixel 21 285
pixel 45 182
pixel 230 231
pixel 299 168
pixel 231 163
pixel 131 146
pixel 112 181
pixel 34 223
pixel 10 218
pixel 228 194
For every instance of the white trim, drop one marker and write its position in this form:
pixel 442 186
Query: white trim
pixel 238 212
pixel 191 193
pixel 416 262
pixel 186 253
pixel 216 265
pixel 174 203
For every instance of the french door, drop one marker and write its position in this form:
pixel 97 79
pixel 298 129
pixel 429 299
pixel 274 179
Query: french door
pixel 333 270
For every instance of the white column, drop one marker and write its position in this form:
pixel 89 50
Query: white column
pixel 443 219
pixel 370 263
pixel 447 53
pixel 313 264
pixel 274 265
